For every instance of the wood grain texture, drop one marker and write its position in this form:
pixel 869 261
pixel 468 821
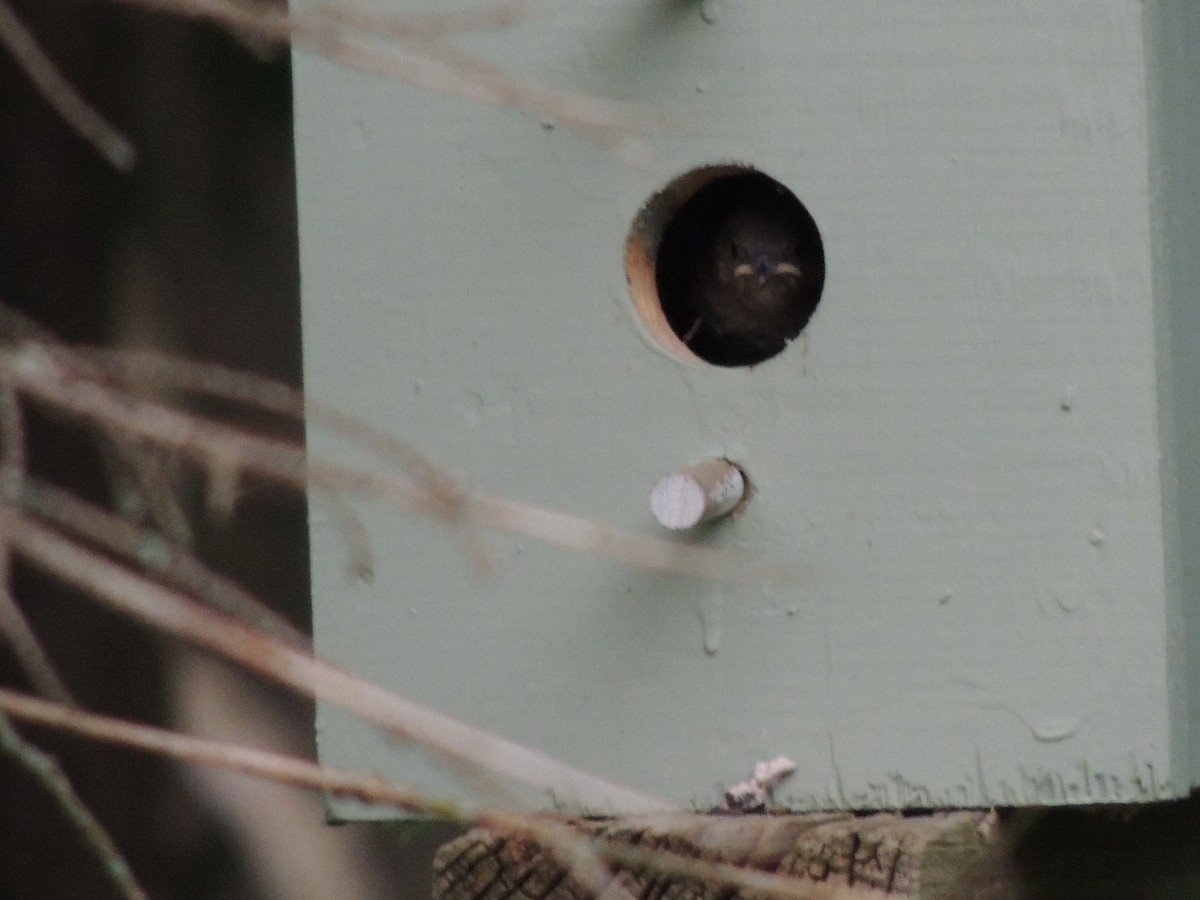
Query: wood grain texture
pixel 853 858
pixel 963 447
pixel 1069 853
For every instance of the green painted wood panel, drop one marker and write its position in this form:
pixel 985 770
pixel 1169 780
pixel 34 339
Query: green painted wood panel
pixel 964 448
pixel 1173 33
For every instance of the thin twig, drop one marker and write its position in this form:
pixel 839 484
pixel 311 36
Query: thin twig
pixel 176 614
pixel 39 68
pixel 37 665
pixel 613 123
pixel 19 634
pixel 46 770
pixel 12 433
pixel 356 543
pixel 155 554
pixel 261 394
pixel 424 24
pixel 41 375
pixel 14 626
pixel 143 480
pixel 548 829
pixel 371 789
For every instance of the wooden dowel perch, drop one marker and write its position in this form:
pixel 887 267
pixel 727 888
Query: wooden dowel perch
pixel 702 492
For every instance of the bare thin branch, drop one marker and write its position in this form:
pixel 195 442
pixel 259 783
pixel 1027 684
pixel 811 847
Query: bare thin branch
pixel 39 374
pixel 176 614
pixel 19 634
pixel 144 481
pixel 360 555
pixel 14 626
pixel 12 432
pixel 154 553
pixel 60 94
pixel 89 388
pixel 46 770
pixel 424 25
pixel 260 763
pixel 549 829
pixel 274 766
pixel 613 124
pixel 204 379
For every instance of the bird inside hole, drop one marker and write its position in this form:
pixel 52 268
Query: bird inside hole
pixel 739 270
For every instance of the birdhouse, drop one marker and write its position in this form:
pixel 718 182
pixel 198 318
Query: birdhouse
pixel 890 309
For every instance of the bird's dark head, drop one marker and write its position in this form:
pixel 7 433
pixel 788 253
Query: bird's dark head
pixel 753 249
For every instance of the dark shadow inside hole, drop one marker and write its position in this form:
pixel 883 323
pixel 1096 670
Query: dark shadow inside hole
pixel 739 269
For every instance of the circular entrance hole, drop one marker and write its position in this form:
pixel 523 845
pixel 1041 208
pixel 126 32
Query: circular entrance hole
pixel 725 264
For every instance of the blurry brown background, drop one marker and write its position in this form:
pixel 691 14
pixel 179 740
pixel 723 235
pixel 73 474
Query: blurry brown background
pixel 193 252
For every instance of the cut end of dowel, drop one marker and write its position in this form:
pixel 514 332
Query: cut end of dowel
pixel 700 493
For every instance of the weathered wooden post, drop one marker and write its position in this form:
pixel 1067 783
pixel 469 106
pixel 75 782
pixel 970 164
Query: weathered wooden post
pixel 982 449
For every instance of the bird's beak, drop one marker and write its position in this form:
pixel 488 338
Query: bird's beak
pixel 764 268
